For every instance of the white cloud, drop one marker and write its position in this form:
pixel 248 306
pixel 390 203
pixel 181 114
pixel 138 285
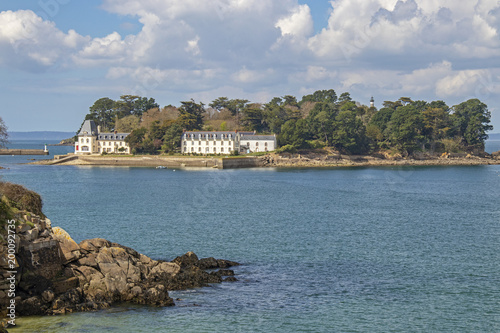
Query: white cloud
pixel 299 23
pixel 29 43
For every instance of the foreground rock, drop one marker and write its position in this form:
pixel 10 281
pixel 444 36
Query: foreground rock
pixel 55 275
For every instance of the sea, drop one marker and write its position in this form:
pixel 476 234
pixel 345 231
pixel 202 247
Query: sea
pixel 371 249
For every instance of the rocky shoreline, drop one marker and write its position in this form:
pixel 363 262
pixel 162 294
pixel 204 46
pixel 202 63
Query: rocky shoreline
pixel 51 274
pixel 309 159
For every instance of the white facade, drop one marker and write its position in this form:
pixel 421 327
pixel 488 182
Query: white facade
pixel 90 141
pixel 224 143
pixel 208 143
pixel 257 143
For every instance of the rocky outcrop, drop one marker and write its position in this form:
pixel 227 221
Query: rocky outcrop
pixel 56 275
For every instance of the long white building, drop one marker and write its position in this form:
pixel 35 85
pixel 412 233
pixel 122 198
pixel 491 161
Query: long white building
pixel 208 143
pixel 91 141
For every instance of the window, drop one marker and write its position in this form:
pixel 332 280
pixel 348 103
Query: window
pixel 192 149
pixel 214 149
pixel 87 140
pixel 199 136
pixel 199 143
pixel 185 149
pixel 85 148
pixel 265 144
pixel 256 144
pixel 206 150
pixel 222 136
pixel 248 144
pixel 206 143
pixel 199 149
pixel 192 142
pixel 222 150
pixel 185 143
pixel 105 136
pixel 83 140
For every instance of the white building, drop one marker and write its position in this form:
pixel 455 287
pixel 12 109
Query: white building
pixel 91 141
pixel 210 143
pixel 257 143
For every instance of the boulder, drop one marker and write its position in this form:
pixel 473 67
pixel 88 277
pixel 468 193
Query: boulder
pixel 186 260
pixel 69 248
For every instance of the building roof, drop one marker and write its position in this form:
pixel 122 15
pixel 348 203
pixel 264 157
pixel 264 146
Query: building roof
pixel 88 128
pixel 211 134
pixel 257 137
pixel 112 136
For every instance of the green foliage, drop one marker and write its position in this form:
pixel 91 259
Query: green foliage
pixel 405 129
pixel 472 120
pixel 318 120
pixel 286 149
pixel 17 196
pixel 324 96
pixel 191 115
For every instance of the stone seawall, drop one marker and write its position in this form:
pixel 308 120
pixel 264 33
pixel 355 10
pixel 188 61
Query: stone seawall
pixel 23 152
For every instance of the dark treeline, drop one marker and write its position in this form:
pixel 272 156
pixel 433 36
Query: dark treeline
pixel 318 120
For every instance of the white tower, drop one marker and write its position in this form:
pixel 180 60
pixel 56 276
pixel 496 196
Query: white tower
pixel 372 102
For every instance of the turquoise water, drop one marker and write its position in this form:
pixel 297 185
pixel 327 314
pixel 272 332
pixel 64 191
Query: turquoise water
pixel 323 250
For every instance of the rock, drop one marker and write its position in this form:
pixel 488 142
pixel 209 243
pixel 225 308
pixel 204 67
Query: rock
pixel 48 296
pixel 187 260
pixel 94 244
pixel 90 260
pixel 230 279
pixel 164 270
pixel 69 248
pixel 207 263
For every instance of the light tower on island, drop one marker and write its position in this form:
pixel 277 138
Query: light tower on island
pixel 372 102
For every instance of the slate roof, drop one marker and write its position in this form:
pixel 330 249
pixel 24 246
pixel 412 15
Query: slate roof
pixel 88 128
pixel 112 136
pixel 257 137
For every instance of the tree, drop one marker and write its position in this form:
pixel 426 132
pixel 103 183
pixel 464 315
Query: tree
pixel 405 129
pixel 3 134
pixel 294 133
pixel 321 119
pixel 136 138
pixel 325 96
pixel 102 112
pixel 127 124
pixel 349 133
pixel 472 119
pixel 172 138
pixel 437 124
pixel 191 115
pixel 253 118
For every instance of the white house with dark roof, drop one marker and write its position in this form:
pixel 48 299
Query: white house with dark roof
pixel 92 141
pixel 225 142
pixel 257 143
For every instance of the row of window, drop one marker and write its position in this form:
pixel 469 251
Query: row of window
pixel 208 136
pixel 207 143
pixel 111 137
pixel 83 140
pixel 207 150
pixel 109 143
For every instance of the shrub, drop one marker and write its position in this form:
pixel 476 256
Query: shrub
pixel 286 149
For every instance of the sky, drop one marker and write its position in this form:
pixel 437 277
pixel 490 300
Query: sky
pixel 57 57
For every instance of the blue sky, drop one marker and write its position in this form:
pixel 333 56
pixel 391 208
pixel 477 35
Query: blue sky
pixel 58 56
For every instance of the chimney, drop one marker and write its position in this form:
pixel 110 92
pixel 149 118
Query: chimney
pixel 98 129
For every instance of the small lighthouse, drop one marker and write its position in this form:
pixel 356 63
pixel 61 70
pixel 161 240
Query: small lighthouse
pixel 372 102
pixel 45 150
